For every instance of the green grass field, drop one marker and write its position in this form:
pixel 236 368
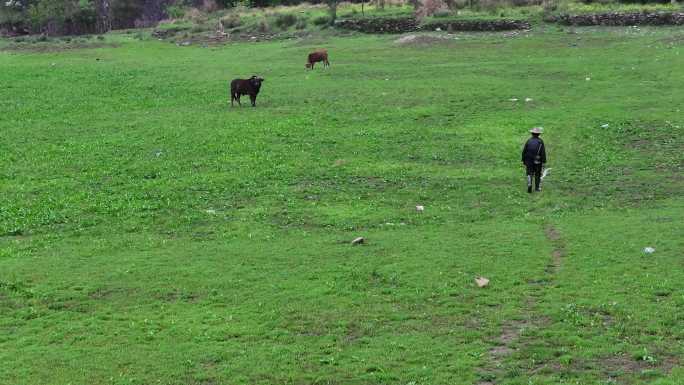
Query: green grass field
pixel 151 234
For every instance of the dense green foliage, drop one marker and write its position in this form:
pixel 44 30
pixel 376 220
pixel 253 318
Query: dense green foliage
pixel 66 17
pixel 76 17
pixel 149 233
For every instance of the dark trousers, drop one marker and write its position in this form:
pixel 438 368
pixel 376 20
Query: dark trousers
pixel 534 171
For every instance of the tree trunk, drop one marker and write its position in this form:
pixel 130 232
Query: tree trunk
pixel 104 19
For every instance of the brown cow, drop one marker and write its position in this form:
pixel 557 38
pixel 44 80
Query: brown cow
pixel 316 56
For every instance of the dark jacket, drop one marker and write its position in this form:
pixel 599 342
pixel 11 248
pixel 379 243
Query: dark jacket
pixel 534 151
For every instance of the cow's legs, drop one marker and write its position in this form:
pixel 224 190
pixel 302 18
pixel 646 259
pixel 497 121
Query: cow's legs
pixel 253 99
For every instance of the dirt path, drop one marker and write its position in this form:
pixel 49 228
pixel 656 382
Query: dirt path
pixel 558 253
pixel 512 331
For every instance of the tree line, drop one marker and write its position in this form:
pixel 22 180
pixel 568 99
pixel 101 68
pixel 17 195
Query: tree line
pixel 76 17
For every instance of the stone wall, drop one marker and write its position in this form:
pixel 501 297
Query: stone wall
pixel 621 19
pixel 478 25
pixel 403 25
pixel 379 25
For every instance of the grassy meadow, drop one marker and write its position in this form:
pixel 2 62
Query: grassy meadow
pixel 152 234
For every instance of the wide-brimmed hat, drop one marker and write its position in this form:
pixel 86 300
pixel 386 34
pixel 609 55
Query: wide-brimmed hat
pixel 537 130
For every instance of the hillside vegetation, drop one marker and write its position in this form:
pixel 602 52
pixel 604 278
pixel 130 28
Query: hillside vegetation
pixel 82 17
pixel 151 234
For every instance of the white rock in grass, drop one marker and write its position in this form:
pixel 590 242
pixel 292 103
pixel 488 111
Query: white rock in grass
pixel 358 241
pixel 513 99
pixel 605 125
pixel 528 99
pixel 649 250
pixel 420 208
pixel 587 78
pixel 481 281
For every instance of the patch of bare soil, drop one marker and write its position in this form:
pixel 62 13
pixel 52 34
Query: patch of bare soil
pixel 14 236
pixel 558 248
pixel 106 293
pixel 552 233
pixel 423 39
pixel 511 332
pixel 672 39
pixel 619 367
pixel 54 47
pixel 308 40
pixel 177 296
pixel 217 39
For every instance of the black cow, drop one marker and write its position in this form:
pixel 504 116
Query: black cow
pixel 239 87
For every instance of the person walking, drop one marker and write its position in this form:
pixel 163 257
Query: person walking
pixel 534 158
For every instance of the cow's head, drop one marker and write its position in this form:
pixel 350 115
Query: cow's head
pixel 256 81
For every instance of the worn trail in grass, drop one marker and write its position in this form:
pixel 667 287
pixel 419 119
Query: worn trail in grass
pixel 151 234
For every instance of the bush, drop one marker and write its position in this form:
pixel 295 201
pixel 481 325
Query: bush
pixel 321 20
pixel 263 26
pixel 301 23
pixel 630 1
pixel 195 15
pixel 457 4
pixel 175 12
pixel 285 20
pixel 199 29
pixel 231 21
pixel 227 3
pixel 430 8
pixel 209 6
pixel 125 12
pixel 522 3
pixel 490 6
